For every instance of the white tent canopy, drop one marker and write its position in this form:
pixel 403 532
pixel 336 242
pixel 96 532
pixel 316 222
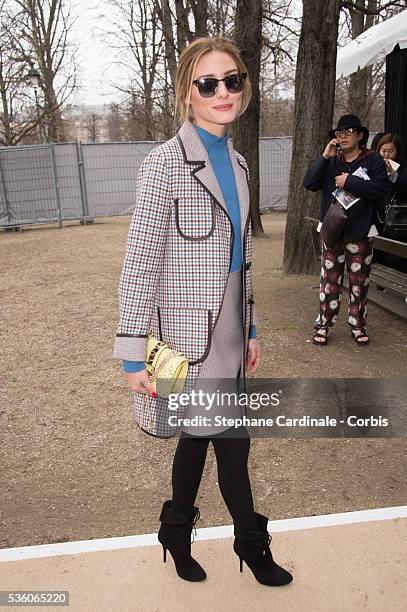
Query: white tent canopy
pixel 372 45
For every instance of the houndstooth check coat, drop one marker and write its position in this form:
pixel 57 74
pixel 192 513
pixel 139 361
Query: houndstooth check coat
pixel 177 261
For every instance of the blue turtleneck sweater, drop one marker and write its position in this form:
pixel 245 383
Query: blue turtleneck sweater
pixel 219 157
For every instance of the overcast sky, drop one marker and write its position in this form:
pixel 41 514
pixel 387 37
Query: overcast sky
pixel 95 58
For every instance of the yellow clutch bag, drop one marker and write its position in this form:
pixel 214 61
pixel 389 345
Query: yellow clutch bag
pixel 167 368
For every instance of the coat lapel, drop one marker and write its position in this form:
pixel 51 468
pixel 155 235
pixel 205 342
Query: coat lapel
pixel 242 186
pixel 196 155
pixel 206 176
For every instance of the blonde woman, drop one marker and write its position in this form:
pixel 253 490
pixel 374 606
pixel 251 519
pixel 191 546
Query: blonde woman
pixel 187 276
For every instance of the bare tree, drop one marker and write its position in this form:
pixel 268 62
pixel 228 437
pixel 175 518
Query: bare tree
pixel 314 104
pixel 148 36
pixel 115 123
pixel 137 24
pixel 138 43
pixel 22 114
pixel 277 72
pixel 165 122
pixel 200 12
pixel 92 125
pixel 183 30
pixel 134 116
pixel 41 35
pixel 177 28
pixel 276 116
pixel 221 15
pixel 373 112
pixel 165 15
pixel 13 127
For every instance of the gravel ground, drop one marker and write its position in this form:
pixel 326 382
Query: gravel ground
pixel 74 464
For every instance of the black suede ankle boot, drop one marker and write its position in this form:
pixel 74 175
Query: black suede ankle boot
pixel 175 534
pixel 253 547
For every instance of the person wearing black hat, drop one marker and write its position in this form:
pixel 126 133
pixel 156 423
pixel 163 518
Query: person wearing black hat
pixel 346 153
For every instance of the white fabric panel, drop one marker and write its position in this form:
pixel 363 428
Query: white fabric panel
pixel 372 45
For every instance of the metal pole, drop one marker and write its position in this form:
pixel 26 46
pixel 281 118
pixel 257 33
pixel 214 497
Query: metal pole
pixel 3 184
pixel 56 184
pixel 82 181
pixel 38 114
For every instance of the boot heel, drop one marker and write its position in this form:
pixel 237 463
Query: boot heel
pixel 253 547
pixel 175 535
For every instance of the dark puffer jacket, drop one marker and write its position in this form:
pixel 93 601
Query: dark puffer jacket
pixel 321 176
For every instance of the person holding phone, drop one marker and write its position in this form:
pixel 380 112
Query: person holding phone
pixel 344 154
pixel 187 274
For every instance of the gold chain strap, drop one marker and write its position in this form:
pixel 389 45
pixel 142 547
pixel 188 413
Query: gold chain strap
pixel 144 402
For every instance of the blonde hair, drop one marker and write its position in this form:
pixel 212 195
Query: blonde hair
pixel 187 64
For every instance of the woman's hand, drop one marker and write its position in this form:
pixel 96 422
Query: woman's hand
pixel 390 169
pixel 253 357
pixel 140 382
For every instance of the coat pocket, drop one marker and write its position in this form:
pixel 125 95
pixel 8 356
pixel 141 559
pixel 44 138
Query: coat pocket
pixel 194 220
pixel 187 330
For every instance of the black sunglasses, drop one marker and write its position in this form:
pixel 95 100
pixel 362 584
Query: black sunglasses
pixel 207 86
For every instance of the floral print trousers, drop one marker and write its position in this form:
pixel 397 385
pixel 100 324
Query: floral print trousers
pixel 357 255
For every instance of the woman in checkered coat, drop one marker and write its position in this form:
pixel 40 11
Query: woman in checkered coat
pixel 187 276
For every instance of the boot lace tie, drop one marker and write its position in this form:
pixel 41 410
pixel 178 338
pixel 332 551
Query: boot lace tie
pixel 267 542
pixel 196 518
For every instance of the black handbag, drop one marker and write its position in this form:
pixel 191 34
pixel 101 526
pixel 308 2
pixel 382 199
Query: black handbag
pixel 333 226
pixel 395 222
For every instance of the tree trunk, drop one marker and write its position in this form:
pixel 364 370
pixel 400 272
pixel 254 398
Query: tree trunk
pixel 184 33
pixel 248 38
pixel 200 11
pixel 54 126
pixel 164 13
pixel 313 112
pixel 168 108
pixel 6 133
pixel 358 103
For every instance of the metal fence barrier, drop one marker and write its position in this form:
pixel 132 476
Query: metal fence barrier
pixel 54 182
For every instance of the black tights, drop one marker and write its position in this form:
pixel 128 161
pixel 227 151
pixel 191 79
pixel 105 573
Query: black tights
pixel 231 456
